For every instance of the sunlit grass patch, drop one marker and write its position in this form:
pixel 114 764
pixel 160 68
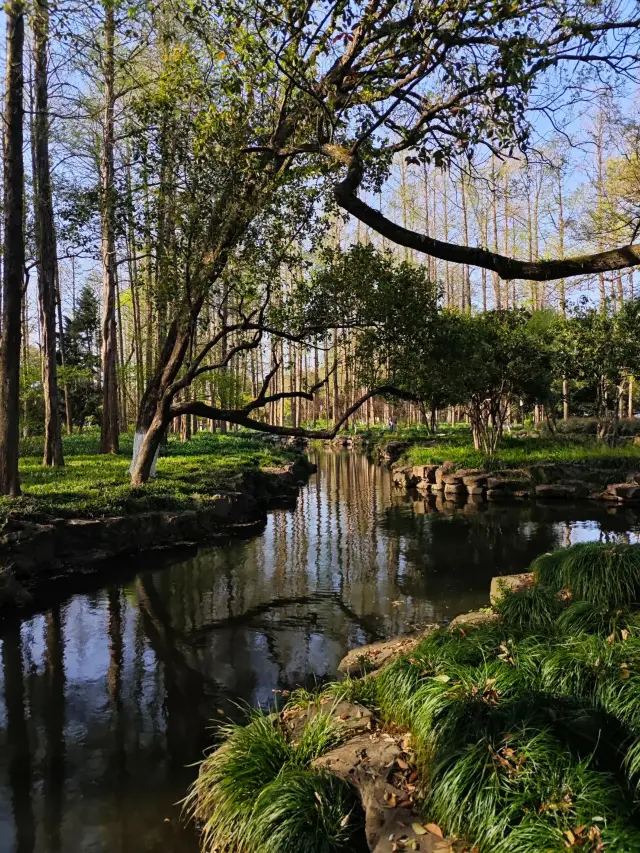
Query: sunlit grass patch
pixel 93 485
pixel 517 452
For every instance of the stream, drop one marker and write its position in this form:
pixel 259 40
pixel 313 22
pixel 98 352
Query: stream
pixel 108 697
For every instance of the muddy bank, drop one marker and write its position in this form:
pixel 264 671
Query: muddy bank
pixel 34 554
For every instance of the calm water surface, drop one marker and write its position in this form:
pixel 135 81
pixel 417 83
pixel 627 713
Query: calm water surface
pixel 109 695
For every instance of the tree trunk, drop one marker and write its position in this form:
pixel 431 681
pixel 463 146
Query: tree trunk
pixel 63 358
pixel 109 433
pixel 13 251
pixel 45 241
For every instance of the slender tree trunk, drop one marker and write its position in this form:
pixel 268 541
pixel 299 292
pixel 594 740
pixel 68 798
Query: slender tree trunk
pixel 336 388
pixel 13 251
pixel 110 429
pixel 494 213
pixel 45 240
pixel 63 357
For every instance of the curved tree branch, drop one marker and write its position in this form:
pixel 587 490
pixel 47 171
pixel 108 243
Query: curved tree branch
pixel 240 416
pixel 507 268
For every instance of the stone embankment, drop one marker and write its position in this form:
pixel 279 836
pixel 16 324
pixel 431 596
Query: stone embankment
pixel 34 555
pixel 545 482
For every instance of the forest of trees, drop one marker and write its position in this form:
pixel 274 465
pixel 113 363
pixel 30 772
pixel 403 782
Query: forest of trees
pixel 292 216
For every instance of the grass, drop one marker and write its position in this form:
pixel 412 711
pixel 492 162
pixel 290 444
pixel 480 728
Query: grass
pixel 526 729
pixel 94 485
pixel 518 452
pixel 259 792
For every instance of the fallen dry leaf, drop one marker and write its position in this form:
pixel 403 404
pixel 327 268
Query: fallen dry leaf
pixel 434 829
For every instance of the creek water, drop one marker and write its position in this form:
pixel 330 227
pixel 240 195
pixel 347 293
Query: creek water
pixel 108 696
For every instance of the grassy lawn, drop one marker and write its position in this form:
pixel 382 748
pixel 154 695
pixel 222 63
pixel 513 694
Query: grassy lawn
pixel 518 452
pixel 93 485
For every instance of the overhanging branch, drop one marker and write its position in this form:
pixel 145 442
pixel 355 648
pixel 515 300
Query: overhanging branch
pixel 507 268
pixel 240 416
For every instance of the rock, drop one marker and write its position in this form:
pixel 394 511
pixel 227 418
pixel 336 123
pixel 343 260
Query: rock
pixel 511 485
pixel 452 480
pixel 505 583
pixel 353 719
pixel 624 492
pixel 380 765
pixel 442 471
pixel 12 592
pixel 475 481
pixel 476 490
pixel 455 489
pixel 399 477
pixel 425 473
pixel 476 617
pixel 375 655
pixel 561 491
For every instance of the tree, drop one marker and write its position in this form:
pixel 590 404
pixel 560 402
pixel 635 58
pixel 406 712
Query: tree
pixel 339 91
pixel 603 350
pixel 45 238
pixel 109 429
pixel 13 252
pixel 83 359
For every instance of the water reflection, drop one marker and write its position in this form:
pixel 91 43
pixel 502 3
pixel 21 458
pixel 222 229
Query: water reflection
pixel 109 695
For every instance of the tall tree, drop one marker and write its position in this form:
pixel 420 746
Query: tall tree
pixel 110 430
pixel 45 238
pixel 13 251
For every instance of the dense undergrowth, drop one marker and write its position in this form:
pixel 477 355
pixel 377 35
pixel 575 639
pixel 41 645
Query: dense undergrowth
pixel 526 727
pixel 93 485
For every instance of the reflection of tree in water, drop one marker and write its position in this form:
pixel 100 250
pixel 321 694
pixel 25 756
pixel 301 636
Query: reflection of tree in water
pixel 109 697
pixel 462 546
pixel 17 748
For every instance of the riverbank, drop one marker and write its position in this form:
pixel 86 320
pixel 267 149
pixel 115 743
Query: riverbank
pixel 75 518
pixel 516 729
pixel 524 467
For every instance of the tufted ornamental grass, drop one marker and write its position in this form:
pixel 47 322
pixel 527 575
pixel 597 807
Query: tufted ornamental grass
pixel 523 739
pixel 526 729
pixel 259 793
pixel 593 572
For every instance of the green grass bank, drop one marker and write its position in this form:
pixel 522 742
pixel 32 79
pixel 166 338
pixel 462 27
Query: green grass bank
pixel 91 485
pixel 524 731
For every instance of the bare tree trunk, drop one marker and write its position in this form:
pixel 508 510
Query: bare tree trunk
pixel 494 213
pixel 13 251
pixel 63 358
pixel 110 429
pixel 45 240
pixel 336 390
